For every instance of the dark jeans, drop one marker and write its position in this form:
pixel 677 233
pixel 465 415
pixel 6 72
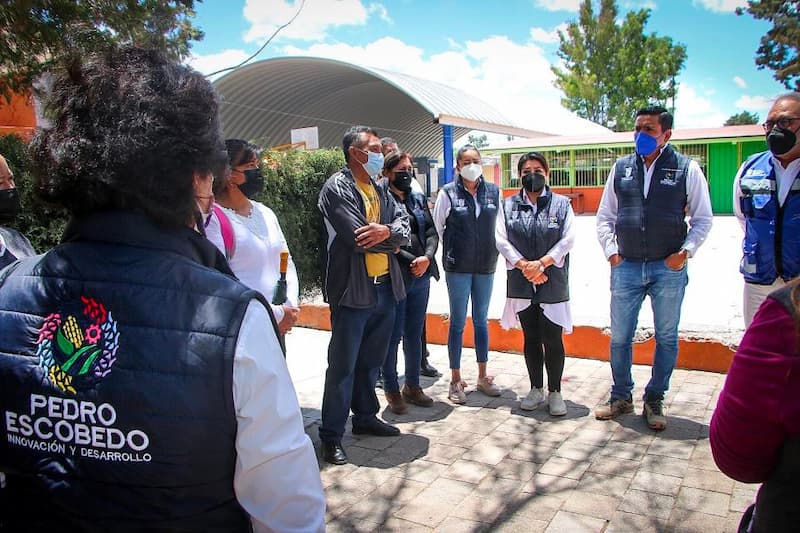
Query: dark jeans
pixel 540 332
pixel 359 340
pixel 408 323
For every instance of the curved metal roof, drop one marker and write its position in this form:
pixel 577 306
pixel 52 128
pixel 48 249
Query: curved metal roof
pixel 267 99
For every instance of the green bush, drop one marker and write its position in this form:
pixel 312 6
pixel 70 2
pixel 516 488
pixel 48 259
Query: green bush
pixel 43 225
pixel 291 188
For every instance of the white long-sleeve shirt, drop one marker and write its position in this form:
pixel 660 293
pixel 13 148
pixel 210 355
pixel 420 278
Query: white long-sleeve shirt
pixel 558 313
pixel 256 259
pixel 784 177
pixel 277 479
pixel 698 206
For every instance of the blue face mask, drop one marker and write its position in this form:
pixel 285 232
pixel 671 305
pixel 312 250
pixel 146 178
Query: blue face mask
pixel 374 163
pixel 645 144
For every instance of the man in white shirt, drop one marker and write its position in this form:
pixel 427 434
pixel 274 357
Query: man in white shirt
pixel 767 204
pixel 641 227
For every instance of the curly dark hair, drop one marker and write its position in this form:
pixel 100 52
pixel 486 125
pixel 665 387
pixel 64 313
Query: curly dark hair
pixel 129 130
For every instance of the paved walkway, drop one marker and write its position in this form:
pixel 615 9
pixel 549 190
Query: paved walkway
pixel 488 466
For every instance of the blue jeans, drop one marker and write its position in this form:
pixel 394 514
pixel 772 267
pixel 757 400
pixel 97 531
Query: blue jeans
pixel 630 282
pixel 460 287
pixel 408 322
pixel 359 339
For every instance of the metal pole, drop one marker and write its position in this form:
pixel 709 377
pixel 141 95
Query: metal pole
pixel 447 149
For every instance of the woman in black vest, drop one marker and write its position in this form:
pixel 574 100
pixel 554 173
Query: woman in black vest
pixel 535 238
pixel 465 215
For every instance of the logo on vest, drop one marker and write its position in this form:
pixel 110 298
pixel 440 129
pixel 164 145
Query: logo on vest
pixel 670 177
pixel 755 172
pixel 628 174
pixel 553 222
pixel 78 349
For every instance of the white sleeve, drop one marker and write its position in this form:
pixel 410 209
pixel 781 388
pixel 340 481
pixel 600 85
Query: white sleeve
pixel 737 196
pixel 699 206
pixel 277 479
pixel 505 248
pixel 607 217
pixel 292 283
pixel 213 231
pixel 560 249
pixel 441 209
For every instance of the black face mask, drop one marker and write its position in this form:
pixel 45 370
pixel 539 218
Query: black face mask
pixel 402 180
pixel 253 183
pixel 533 182
pixel 781 140
pixel 9 205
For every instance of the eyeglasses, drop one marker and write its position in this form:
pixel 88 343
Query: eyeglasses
pixel 782 122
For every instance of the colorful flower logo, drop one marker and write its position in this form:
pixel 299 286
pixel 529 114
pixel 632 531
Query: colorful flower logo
pixel 77 351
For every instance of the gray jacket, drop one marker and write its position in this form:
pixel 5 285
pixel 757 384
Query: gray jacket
pixel 345 280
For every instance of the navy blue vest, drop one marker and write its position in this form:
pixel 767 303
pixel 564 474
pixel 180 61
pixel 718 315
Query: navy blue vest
pixel 771 245
pixel 654 227
pixel 533 236
pixel 469 245
pixel 116 364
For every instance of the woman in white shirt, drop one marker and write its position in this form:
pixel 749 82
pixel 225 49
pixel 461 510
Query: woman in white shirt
pixel 535 238
pixel 257 238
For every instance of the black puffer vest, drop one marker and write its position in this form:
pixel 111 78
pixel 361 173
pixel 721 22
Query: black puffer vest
pixel 469 244
pixel 651 228
pixel 116 364
pixel 533 235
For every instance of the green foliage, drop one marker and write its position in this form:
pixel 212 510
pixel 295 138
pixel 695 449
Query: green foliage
pixel 739 119
pixel 778 50
pixel 610 70
pixel 478 141
pixel 43 225
pixel 292 183
pixel 37 34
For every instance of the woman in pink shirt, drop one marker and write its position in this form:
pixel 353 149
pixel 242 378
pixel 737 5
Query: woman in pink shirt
pixel 755 430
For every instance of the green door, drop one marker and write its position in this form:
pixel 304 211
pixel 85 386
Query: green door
pixel 722 166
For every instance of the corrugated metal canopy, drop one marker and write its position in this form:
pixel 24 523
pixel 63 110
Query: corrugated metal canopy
pixel 267 99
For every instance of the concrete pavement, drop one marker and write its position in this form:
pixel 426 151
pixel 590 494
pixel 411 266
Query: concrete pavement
pixel 487 466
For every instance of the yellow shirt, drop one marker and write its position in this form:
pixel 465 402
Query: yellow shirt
pixel 377 264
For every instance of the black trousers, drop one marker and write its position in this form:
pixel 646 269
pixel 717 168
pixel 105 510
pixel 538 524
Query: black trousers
pixel 543 346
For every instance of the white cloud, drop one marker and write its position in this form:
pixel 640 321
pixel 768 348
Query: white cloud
pixel 720 6
pixel 214 62
pixel 541 35
pixel 638 4
pixel 265 16
pixel 758 104
pixel 694 111
pixel 381 11
pixel 558 5
pixel 740 82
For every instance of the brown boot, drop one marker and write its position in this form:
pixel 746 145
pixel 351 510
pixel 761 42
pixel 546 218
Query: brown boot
pixel 416 396
pixel 396 403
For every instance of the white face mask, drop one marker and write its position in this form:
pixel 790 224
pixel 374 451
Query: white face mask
pixel 471 172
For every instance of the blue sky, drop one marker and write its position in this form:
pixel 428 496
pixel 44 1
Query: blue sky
pixel 498 51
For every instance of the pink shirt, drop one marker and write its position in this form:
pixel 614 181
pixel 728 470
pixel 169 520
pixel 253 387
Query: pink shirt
pixel 759 407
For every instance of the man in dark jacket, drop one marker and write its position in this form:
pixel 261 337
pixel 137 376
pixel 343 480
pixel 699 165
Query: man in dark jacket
pixel 363 281
pixel 142 387
pixel 13 245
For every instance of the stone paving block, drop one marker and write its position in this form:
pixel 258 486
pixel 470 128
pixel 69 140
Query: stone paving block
pixel 614 486
pixel 656 483
pixel 346 526
pixel 705 378
pixel 485 509
pixel 458 437
pixel 578 451
pixel 420 470
pixel 702 457
pixel 692 397
pixel 614 467
pixel 399 490
pixel 564 467
pixel 425 510
pixel 449 490
pixel 623 522
pixel 705 501
pixel 371 475
pixel 742 496
pixel 542 437
pixel 455 524
pixel 374 443
pixel 688 521
pixel 591 504
pixel 708 480
pixel 624 450
pixel 494 486
pixel 489 451
pixel 697 388
pixel 520 425
pixel 330 474
pixel 664 465
pixel 532 451
pixel 468 471
pixel 647 504
pixel 533 506
pixel 515 469
pixel 399 525
pixel 547 484
pixel 565 522
pixel 519 526
pixel 592 436
pixel 444 453
pixel 677 449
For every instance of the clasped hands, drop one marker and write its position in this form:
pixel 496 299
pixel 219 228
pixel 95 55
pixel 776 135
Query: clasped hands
pixel 371 234
pixel 532 270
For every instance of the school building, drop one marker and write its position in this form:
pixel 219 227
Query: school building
pixel 579 165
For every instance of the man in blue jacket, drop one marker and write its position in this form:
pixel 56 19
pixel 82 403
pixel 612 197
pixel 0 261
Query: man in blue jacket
pixel 363 282
pixel 767 204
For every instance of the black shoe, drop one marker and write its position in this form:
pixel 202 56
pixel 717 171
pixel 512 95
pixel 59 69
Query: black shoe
pixel 376 427
pixel 427 370
pixel 333 453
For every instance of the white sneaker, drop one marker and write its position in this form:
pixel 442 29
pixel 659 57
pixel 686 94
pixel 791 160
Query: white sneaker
pixel 556 405
pixel 457 394
pixel 532 400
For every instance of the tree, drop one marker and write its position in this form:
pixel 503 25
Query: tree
pixel 478 141
pixel 778 49
pixel 609 70
pixel 37 34
pixel 739 119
